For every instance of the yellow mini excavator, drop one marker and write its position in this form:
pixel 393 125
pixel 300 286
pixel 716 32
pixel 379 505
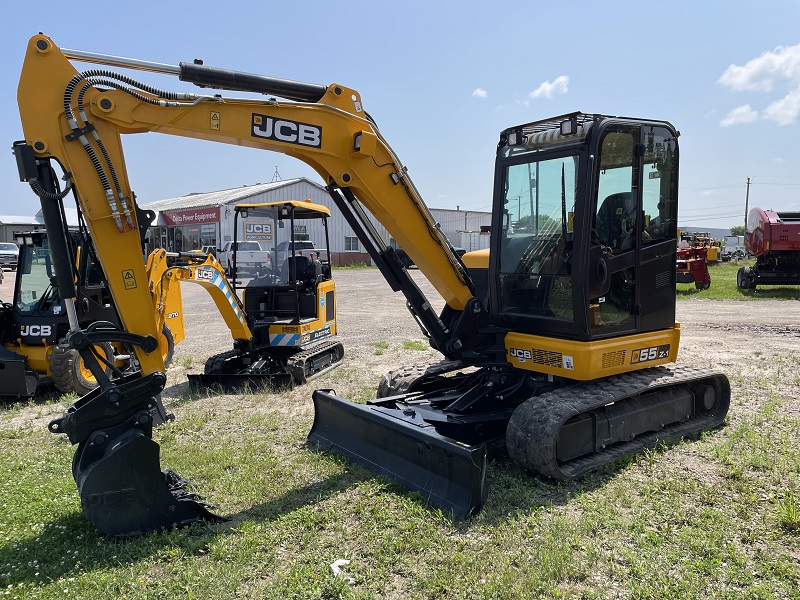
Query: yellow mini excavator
pixel 284 329
pixel 558 341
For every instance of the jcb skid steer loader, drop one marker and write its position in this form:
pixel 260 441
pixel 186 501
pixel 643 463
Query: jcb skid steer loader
pixel 557 340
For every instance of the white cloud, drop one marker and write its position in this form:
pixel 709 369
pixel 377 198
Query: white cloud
pixel 740 114
pixel 786 110
pixel 762 73
pixel 480 93
pixel 778 160
pixel 560 85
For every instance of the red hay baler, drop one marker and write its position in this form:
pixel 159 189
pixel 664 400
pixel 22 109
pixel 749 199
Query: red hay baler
pixel 774 239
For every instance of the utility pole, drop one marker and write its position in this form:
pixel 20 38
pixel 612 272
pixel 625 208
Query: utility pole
pixel 746 203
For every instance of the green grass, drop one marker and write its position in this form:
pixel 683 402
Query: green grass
pixel 417 345
pixel 380 347
pixel 723 286
pixel 715 517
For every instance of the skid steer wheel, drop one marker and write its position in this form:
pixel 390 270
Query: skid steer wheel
pixel 70 374
pixel 166 343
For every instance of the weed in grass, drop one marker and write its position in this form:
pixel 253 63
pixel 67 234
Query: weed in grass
pixel 380 347
pixel 415 345
pixel 186 362
pixel 789 510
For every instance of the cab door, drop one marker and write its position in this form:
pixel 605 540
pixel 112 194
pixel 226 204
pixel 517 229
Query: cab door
pixel 632 243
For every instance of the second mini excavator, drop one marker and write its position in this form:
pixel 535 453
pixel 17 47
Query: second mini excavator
pixel 557 341
pixel 284 327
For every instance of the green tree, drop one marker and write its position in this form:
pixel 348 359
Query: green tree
pixel 737 230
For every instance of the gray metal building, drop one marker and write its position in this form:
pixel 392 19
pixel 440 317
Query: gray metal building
pixel 197 220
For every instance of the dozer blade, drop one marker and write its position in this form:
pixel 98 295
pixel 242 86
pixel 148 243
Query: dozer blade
pixel 448 475
pixel 232 383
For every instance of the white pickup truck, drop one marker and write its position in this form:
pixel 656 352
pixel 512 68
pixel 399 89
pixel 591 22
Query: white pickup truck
pixel 250 258
pixel 301 248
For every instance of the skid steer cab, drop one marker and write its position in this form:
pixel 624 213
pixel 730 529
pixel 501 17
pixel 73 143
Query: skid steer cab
pixel 289 307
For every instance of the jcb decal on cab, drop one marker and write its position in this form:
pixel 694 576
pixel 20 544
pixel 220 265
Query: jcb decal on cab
pixel 284 130
pixel 35 330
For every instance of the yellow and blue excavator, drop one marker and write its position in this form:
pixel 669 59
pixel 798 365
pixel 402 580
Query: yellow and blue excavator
pixel 558 341
pixel 284 326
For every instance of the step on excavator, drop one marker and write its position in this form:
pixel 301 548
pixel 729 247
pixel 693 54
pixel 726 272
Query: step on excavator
pixel 558 341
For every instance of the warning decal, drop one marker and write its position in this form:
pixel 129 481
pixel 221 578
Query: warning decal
pixel 129 279
pixel 214 120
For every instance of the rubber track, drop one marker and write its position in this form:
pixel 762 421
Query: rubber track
pixel 296 364
pixel 534 428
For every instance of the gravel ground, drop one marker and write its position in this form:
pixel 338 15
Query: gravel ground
pixel 374 323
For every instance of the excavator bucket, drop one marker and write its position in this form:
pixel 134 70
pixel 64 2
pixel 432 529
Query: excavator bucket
pixel 122 489
pixel 448 475
pixel 124 492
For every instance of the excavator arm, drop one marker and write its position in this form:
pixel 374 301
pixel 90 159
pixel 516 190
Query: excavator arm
pixel 74 122
pixel 78 119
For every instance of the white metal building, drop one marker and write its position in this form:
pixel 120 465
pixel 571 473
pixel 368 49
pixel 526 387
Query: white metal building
pixel 197 220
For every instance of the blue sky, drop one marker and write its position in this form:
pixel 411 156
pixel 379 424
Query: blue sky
pixel 442 79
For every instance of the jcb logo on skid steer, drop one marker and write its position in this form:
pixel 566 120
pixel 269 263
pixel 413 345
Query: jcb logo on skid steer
pixel 35 331
pixel 283 130
pixel 520 355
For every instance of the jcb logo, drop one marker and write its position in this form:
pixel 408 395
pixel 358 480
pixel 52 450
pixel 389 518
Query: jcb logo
pixel 258 228
pixel 284 130
pixel 204 274
pixel 35 330
pixel 112 498
pixel 521 355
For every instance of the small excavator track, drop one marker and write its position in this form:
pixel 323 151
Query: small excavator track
pixel 614 417
pixel 315 360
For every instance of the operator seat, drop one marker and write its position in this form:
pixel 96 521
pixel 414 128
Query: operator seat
pixel 616 222
pixel 300 265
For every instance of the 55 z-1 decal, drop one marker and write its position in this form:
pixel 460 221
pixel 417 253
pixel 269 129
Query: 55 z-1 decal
pixel 647 354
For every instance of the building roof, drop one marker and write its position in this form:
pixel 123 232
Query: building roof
pixel 17 220
pixel 221 197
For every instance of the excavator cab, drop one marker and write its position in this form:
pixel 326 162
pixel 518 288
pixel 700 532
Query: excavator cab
pixel 586 223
